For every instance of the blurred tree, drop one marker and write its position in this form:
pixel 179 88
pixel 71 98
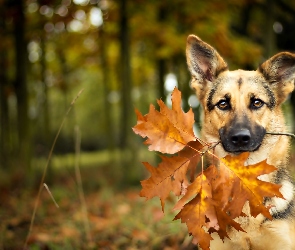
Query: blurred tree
pixel 270 36
pixel 105 69
pixel 20 83
pixel 161 62
pixel 45 110
pixel 5 132
pixel 125 76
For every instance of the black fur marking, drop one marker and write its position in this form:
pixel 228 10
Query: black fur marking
pixel 288 211
pixel 272 100
pixel 285 213
pixel 240 81
pixel 202 51
pixel 281 174
pixel 210 104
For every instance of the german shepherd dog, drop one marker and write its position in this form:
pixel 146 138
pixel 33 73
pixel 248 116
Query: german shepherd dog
pixel 239 109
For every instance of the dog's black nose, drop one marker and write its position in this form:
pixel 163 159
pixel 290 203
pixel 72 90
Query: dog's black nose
pixel 241 138
pixel 238 138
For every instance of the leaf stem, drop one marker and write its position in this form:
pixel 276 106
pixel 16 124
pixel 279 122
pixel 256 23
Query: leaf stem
pixel 209 148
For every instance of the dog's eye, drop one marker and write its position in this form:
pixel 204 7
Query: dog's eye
pixel 223 105
pixel 256 103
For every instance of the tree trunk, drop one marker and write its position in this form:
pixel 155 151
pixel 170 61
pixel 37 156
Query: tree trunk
pixel 20 85
pixel 108 125
pixel 5 132
pixel 161 68
pixel 64 88
pixel 128 149
pixel 45 121
pixel 161 62
pixel 45 113
pixel 270 38
pixel 183 79
pixel 125 78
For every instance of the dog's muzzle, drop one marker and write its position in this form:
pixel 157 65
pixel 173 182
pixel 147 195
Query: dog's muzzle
pixel 241 139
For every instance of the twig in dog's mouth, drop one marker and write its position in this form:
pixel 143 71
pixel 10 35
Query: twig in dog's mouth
pixel 210 147
pixel 277 133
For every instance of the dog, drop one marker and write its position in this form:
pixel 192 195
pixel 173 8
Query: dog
pixel 240 108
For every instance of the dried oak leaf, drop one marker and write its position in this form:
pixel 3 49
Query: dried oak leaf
pixel 199 211
pixel 219 196
pixel 170 174
pixel 245 185
pixel 167 130
pixel 202 214
pixel 192 151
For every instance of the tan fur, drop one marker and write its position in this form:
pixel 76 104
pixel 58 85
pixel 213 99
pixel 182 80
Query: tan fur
pixel 274 149
pixel 270 83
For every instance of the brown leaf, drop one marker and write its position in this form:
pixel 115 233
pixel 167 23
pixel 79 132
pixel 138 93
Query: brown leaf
pixel 221 191
pixel 246 185
pixel 212 201
pixel 140 117
pixel 167 130
pixel 168 176
pixel 192 151
pixel 199 212
pixel 181 120
pixel 218 196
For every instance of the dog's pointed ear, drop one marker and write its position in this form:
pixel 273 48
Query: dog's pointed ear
pixel 203 61
pixel 279 72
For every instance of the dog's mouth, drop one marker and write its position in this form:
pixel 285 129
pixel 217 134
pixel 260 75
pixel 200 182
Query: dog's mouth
pixel 237 152
pixel 241 140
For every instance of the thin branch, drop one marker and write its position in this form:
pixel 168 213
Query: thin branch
pixel 47 188
pixel 45 169
pixel 202 153
pixel 211 147
pixel 277 133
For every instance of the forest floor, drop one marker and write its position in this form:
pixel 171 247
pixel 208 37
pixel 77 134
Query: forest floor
pixel 117 218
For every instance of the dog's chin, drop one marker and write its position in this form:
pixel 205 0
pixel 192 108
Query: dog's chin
pixel 238 151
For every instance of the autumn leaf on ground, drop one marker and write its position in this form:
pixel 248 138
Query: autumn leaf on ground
pixel 216 197
pixel 167 130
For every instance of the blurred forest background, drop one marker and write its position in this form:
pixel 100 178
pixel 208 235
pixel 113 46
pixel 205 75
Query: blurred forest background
pixel 124 54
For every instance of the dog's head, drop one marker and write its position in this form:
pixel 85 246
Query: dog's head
pixel 239 106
